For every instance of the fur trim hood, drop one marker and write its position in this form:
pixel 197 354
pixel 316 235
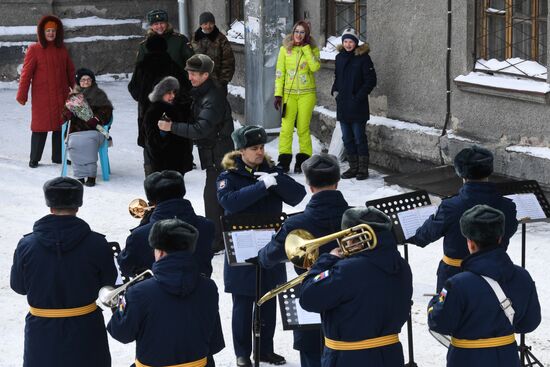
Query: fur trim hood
pixel 169 30
pixel 229 163
pixel 359 50
pixel 288 43
pixel 59 38
pixel 164 86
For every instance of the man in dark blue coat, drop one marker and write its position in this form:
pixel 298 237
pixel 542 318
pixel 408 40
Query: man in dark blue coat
pixel 165 190
pixel 60 267
pixel 173 315
pixel 322 216
pixel 354 79
pixel 364 299
pixel 252 184
pixel 468 308
pixel 474 165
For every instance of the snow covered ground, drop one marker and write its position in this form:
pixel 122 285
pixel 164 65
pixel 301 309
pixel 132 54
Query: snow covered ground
pixel 105 209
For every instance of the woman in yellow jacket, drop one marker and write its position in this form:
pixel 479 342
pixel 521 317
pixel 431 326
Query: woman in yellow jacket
pixel 295 92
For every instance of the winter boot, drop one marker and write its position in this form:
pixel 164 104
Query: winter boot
pixel 90 182
pixel 284 162
pixel 82 180
pixel 363 170
pixel 353 161
pixel 300 158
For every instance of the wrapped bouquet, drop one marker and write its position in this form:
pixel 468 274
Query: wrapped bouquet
pixel 76 103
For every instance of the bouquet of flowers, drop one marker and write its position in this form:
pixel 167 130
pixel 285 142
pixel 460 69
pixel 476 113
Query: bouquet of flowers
pixel 76 103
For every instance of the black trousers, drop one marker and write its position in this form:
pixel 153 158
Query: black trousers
pixel 38 141
pixel 212 208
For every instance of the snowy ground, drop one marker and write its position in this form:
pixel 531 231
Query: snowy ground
pixel 105 209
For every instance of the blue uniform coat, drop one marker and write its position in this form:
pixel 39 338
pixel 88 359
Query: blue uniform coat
pixel 354 79
pixel 240 192
pixel 365 296
pixel 469 309
pixel 138 256
pixel 446 223
pixel 322 216
pixel 63 264
pixel 173 317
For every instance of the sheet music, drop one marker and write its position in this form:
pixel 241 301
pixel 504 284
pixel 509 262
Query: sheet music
pixel 248 243
pixel 306 317
pixel 527 206
pixel 413 219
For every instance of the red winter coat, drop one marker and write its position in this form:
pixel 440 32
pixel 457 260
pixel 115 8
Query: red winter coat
pixel 51 71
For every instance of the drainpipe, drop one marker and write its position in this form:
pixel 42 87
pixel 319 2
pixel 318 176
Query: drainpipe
pixel 182 14
pixel 448 72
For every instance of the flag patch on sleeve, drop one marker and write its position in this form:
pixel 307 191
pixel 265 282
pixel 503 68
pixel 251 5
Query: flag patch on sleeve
pixel 321 276
pixel 222 184
pixel 442 295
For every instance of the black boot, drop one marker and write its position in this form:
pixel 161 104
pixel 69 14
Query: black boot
pixel 300 158
pixel 284 162
pixel 82 180
pixel 353 161
pixel 90 182
pixel 363 170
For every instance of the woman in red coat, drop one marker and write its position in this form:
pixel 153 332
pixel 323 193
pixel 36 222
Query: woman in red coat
pixel 49 68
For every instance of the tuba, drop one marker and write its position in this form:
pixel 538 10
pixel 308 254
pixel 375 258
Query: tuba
pixel 139 207
pixel 108 296
pixel 302 249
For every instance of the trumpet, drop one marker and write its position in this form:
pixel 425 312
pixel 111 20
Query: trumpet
pixel 302 249
pixel 108 296
pixel 139 207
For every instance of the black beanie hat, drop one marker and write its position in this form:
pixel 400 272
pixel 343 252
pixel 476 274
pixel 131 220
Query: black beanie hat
pixel 173 235
pixel 63 193
pixel 474 163
pixel 482 224
pixel 83 71
pixel 165 185
pixel 206 17
pixel 156 44
pixel 321 170
pixel 248 136
pixel 369 215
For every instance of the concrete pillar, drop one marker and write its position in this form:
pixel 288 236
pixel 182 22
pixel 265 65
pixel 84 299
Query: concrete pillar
pixel 267 22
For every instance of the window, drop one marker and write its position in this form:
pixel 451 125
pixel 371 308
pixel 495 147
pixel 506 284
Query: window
pixel 514 33
pixel 236 10
pixel 342 14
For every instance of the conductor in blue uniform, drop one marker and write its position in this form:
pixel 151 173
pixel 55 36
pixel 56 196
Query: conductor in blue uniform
pixel 474 165
pixel 172 316
pixel 251 184
pixel 481 322
pixel 364 299
pixel 60 267
pixel 322 216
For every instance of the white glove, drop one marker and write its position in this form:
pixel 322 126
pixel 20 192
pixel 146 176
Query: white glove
pixel 267 178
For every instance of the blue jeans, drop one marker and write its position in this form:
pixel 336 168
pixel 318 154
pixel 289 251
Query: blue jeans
pixel 355 138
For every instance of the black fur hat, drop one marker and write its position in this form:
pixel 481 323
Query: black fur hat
pixel 63 193
pixel 206 17
pixel 165 185
pixel 157 15
pixel 173 235
pixel 482 224
pixel 83 71
pixel 166 85
pixel 369 215
pixel 321 170
pixel 201 63
pixel 248 136
pixel 156 44
pixel 474 163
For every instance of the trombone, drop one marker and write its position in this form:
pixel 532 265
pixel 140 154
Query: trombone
pixel 302 249
pixel 139 207
pixel 108 296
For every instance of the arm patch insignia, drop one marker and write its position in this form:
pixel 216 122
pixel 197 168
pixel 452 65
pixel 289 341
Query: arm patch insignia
pixel 442 295
pixel 321 276
pixel 222 184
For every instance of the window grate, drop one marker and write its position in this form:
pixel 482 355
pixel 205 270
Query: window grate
pixel 342 14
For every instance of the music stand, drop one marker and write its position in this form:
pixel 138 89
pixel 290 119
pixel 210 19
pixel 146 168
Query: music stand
pixel 246 222
pixel 288 304
pixel 391 206
pixel 115 249
pixel 527 357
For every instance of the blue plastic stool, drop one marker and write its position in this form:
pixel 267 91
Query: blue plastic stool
pixel 103 152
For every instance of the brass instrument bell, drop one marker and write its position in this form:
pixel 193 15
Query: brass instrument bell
pixel 138 207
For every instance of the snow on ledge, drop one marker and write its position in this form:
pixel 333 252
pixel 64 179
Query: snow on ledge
pixel 235 33
pixel 67 23
pixel 403 125
pixel 539 152
pixel 73 40
pixel 236 90
pixel 504 82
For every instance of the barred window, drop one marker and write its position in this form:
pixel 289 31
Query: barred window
pixel 511 36
pixel 342 14
pixel 236 10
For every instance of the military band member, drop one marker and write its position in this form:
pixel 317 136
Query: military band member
pixel 165 191
pixel 469 309
pixel 474 165
pixel 322 216
pixel 172 316
pixel 252 184
pixel 364 299
pixel 60 267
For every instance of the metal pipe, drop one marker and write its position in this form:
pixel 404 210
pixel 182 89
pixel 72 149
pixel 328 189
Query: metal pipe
pixel 182 14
